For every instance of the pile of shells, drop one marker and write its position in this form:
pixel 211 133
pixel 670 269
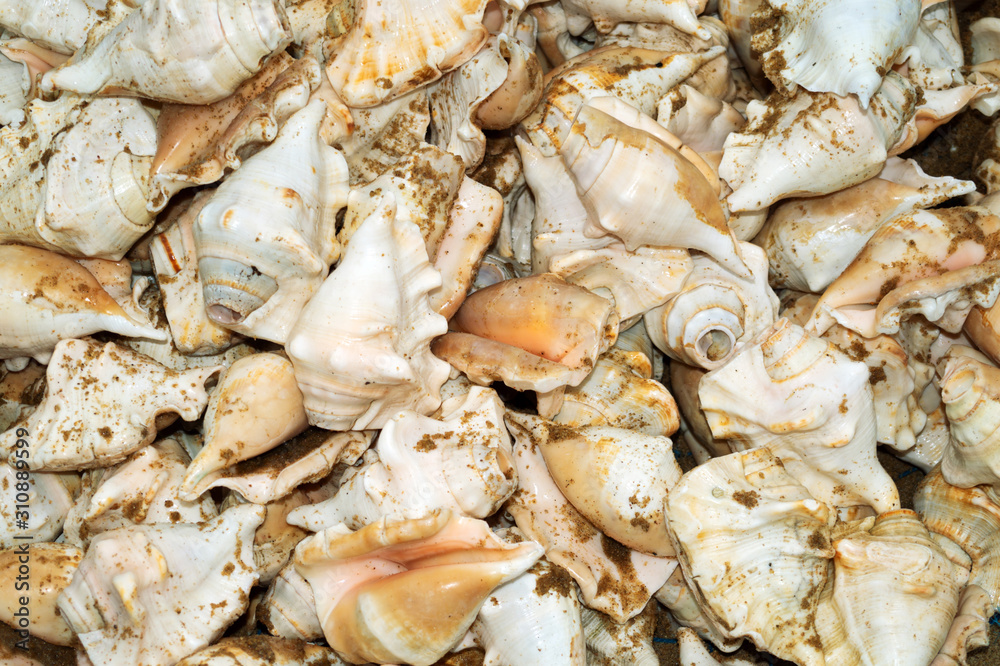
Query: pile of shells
pixel 342 331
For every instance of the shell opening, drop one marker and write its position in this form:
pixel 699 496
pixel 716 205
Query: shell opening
pixel 958 385
pixel 715 345
pixel 233 290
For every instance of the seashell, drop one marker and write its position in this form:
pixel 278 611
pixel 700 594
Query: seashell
pixel 535 333
pixel 694 652
pixel 61 25
pixel 969 390
pixel 624 643
pixel 50 496
pixel 370 64
pixel 840 144
pixel 658 36
pixel 536 616
pixel 144 489
pixel 700 122
pixel 49 297
pixel 406 590
pixel 84 420
pixel 15 89
pixel 460 99
pixel 729 515
pixel 175 265
pixel 968 518
pixel 116 278
pixel 288 608
pixel 595 152
pixel 897 383
pixel 931 442
pixel 552 35
pixel 425 185
pixel 265 239
pixel 715 312
pixel 641 78
pixel 269 476
pixel 613 579
pixel 125 596
pixel 616 478
pixel 262 651
pixel 459 460
pixel 50 568
pixel 361 348
pixel 620 392
pixel 178 51
pixel 853 55
pixel 981 327
pixel 937 107
pixel 678 598
pixel 809 242
pixel 559 217
pixel 943 262
pixel 255 407
pixel 501 170
pixel 968 629
pixel 934 59
pixel 473 223
pixel 736 15
pixel 824 432
pixel 197 143
pixel 895 589
pixel 384 134
pixel 679 14
pixel 638 281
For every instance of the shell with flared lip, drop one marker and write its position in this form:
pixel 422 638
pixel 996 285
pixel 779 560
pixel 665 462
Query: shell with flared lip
pixel 153 594
pixel 823 423
pixel 86 420
pixel 266 238
pixel 838 46
pixel 361 348
pixel 937 263
pixel 613 579
pixel 459 459
pixel 730 515
pixel 189 51
pixel 810 241
pixel 48 297
pixel 406 590
pixel 393 48
pixel 840 143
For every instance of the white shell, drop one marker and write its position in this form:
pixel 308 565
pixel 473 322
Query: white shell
pixel 288 608
pixel 459 460
pixel 58 24
pixel 50 498
pixel 715 312
pixel 145 488
pixel 838 46
pixel 265 239
pixel 262 651
pixel 86 420
pixel 125 596
pixel 545 515
pixel 189 51
pixel 809 242
pixel 392 48
pixel 820 417
pixel 729 517
pixel 839 143
pixel 970 391
pixel 361 348
pixel 628 643
pixel 255 407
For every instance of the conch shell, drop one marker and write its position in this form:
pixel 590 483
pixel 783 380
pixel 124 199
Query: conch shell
pixel 47 298
pixel 970 391
pixel 266 238
pixel 361 348
pixel 86 420
pixel 406 590
pixel 821 422
pixel 189 51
